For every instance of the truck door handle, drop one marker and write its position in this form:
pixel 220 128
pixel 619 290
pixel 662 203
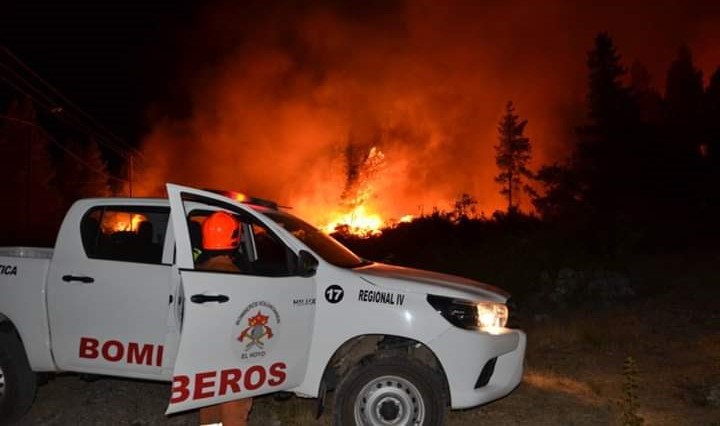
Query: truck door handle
pixel 84 280
pixel 202 298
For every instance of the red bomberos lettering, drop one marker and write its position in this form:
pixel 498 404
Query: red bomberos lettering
pixel 208 384
pixel 117 351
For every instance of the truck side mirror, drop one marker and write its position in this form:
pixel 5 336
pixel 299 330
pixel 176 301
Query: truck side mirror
pixel 307 264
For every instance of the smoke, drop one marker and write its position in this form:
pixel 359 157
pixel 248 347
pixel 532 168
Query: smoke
pixel 278 95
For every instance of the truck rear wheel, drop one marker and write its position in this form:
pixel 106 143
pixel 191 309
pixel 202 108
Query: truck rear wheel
pixel 391 391
pixel 17 381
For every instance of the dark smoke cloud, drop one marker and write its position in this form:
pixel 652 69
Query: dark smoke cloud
pixel 275 93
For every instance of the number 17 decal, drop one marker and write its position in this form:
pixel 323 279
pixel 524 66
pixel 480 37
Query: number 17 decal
pixel 334 294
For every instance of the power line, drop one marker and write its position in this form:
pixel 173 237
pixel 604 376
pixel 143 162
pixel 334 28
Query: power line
pixel 115 142
pixel 56 111
pixel 99 125
pixel 62 147
pixel 58 108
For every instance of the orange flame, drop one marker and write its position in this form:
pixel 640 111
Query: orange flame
pixel 358 222
pixel 121 222
pixel 359 217
pixel 407 218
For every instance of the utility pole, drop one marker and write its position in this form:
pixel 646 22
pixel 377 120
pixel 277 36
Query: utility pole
pixel 28 183
pixel 130 173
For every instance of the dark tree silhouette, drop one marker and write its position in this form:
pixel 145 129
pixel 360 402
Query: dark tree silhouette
pixel 465 207
pixel 684 102
pixel 603 175
pixel 608 160
pixel 82 172
pixel 27 173
pixel 512 155
pixel 649 101
pixel 712 119
pixel 562 194
pixel 607 98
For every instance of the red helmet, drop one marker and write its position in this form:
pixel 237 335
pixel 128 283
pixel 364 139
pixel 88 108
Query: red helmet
pixel 220 231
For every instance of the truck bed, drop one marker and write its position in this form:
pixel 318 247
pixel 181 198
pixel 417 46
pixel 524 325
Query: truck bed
pixel 23 285
pixel 28 252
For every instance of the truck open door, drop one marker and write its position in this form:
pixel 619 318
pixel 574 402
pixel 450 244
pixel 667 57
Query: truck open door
pixel 245 332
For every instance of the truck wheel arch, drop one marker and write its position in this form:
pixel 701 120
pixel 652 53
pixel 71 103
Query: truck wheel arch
pixel 20 382
pixel 7 325
pixel 359 348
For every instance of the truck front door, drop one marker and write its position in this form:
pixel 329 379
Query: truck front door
pixel 246 328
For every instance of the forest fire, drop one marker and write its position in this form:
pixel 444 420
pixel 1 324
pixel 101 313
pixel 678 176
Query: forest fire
pixel 358 222
pixel 121 222
pixel 292 117
pixel 363 171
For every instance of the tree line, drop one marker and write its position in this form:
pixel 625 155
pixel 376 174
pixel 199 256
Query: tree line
pixel 644 162
pixel 42 176
pixel 643 166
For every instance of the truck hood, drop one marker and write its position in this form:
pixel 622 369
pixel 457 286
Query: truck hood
pixel 411 280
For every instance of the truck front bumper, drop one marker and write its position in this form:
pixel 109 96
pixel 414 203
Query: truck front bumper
pixel 480 367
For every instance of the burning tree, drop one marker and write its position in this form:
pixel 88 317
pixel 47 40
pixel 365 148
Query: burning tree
pixel 512 154
pixel 362 166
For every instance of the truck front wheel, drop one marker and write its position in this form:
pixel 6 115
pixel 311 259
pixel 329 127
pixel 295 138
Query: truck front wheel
pixel 391 391
pixel 17 381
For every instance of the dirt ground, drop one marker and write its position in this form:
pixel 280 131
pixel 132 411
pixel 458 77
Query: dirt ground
pixel 574 376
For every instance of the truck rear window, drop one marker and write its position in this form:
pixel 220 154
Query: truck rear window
pixel 128 234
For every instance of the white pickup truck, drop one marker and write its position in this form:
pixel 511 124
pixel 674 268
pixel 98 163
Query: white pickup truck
pixel 122 294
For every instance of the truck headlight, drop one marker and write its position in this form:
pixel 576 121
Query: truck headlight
pixel 486 316
pixel 492 315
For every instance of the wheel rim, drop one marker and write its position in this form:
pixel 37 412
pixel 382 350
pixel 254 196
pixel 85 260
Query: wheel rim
pixel 2 385
pixel 389 401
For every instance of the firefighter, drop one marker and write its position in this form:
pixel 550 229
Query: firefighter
pixel 220 239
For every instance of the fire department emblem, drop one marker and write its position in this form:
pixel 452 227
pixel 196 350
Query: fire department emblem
pixel 256 329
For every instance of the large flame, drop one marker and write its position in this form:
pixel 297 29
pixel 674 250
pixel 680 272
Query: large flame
pixel 358 222
pixel 358 215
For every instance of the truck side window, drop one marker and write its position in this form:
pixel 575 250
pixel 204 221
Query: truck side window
pixel 272 257
pixel 125 233
pixel 259 252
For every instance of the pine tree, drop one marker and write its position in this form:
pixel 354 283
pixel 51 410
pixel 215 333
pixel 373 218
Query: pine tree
pixel 684 94
pixel 512 155
pixel 609 160
pixel 607 98
pixel 710 150
pixel 649 101
pixel 610 108
pixel 712 118
pixel 601 177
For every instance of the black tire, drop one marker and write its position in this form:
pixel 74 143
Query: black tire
pixel 394 389
pixel 17 381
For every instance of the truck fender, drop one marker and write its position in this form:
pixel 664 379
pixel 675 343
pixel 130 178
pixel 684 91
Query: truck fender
pixel 358 348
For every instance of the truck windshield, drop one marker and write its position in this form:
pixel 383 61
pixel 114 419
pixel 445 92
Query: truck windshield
pixel 322 244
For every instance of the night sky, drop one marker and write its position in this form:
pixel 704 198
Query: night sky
pixel 106 56
pixel 266 94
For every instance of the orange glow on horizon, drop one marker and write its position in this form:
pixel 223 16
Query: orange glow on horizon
pixel 358 222
pixel 277 119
